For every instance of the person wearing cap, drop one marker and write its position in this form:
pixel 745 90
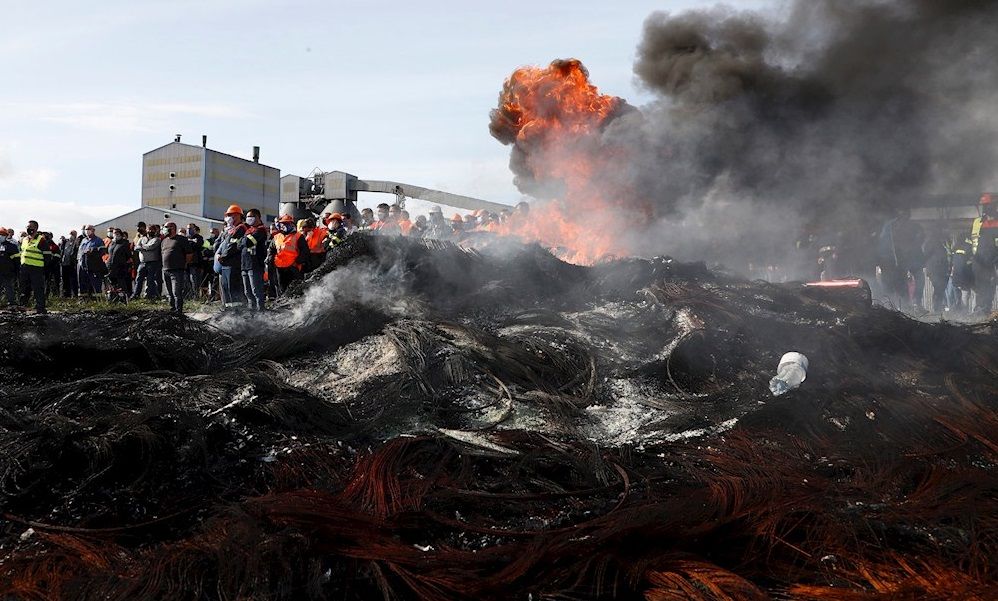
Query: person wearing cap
pixel 10 260
pixel 438 227
pixel 337 231
pixel 177 255
pixel 150 269
pixel 253 248
pixel 228 259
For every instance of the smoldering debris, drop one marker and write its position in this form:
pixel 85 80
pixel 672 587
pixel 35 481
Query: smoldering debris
pixel 608 433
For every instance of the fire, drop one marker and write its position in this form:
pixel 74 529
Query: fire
pixel 554 118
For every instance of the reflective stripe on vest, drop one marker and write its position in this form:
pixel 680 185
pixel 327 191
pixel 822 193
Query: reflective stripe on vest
pixel 287 249
pixel 31 254
pixel 975 233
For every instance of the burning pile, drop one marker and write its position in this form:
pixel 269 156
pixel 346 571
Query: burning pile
pixel 761 127
pixel 497 425
pixel 552 117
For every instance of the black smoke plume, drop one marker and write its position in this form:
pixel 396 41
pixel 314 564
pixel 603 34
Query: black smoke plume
pixel 829 113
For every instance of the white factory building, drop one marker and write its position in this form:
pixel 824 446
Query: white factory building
pixel 195 184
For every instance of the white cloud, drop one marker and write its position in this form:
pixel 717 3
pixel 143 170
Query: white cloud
pixel 16 180
pixel 120 116
pixel 56 217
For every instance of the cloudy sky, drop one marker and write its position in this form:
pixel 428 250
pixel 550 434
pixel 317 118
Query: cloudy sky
pixel 384 90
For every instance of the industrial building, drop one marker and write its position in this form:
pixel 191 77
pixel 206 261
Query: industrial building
pixel 196 184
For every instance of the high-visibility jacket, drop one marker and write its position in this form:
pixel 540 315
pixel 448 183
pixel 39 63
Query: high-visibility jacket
pixel 33 251
pixel 317 240
pixel 975 233
pixel 287 249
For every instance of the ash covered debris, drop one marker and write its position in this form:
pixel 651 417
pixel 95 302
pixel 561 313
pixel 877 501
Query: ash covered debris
pixel 497 424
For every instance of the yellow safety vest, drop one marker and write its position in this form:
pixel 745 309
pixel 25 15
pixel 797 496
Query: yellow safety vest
pixel 30 253
pixel 975 233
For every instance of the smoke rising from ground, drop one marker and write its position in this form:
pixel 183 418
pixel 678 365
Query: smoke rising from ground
pixel 830 116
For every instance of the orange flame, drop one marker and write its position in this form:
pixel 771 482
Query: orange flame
pixel 553 117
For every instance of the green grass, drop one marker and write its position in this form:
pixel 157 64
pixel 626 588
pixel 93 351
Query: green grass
pixel 100 303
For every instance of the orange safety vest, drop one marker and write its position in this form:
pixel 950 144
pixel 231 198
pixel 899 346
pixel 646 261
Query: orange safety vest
pixel 316 239
pixel 287 249
pixel 406 226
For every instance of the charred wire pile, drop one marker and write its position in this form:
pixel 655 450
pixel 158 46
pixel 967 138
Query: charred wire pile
pixel 422 421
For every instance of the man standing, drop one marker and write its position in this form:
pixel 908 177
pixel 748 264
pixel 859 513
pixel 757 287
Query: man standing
pixel 34 252
pixel 69 248
pixel 228 259
pixel 984 238
pixel 150 264
pixel 10 258
pixel 289 251
pixel 901 258
pixel 177 255
pixel 253 248
pixel 119 260
pixel 195 271
pixel 90 262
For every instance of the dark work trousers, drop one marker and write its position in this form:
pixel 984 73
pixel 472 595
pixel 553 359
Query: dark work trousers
pixel 70 283
pixel 7 289
pixel 230 287
pixel 90 283
pixel 150 273
pixel 939 282
pixel 195 276
pixel 984 287
pixel 287 275
pixel 175 281
pixel 32 281
pixel 253 285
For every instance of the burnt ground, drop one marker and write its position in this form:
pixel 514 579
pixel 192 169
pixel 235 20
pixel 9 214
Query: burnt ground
pixel 419 421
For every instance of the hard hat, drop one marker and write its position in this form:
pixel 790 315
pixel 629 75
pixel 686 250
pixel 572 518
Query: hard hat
pixel 234 209
pixel 457 217
pixel 338 216
pixel 286 219
pixel 987 198
pixel 435 210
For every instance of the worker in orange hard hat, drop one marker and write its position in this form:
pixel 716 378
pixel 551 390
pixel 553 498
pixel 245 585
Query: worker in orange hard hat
pixel 228 259
pixel 337 230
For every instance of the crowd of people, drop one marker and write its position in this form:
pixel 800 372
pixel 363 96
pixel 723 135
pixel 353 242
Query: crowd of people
pixel 899 256
pixel 248 261
pixel 241 265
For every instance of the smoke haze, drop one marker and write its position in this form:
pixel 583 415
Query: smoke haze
pixel 827 118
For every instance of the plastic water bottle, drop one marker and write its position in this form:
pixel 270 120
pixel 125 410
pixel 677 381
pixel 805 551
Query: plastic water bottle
pixel 790 373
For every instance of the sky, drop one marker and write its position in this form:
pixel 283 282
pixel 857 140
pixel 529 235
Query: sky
pixel 384 90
